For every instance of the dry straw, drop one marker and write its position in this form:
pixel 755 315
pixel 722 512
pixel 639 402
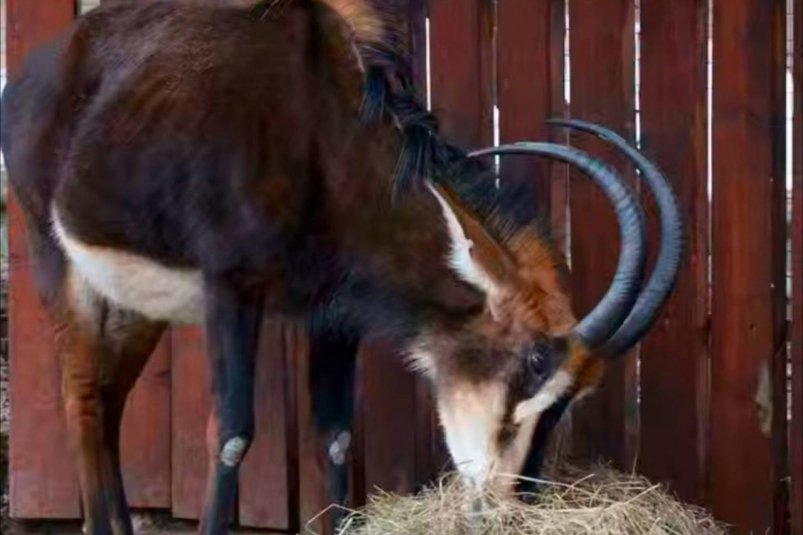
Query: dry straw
pixel 605 502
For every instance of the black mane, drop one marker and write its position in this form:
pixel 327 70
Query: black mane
pixel 391 94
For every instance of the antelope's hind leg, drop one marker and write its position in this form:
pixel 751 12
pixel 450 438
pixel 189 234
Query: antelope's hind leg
pixel 333 355
pixel 233 317
pixel 103 350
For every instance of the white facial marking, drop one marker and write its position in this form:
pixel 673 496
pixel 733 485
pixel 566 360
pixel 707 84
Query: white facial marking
pixel 420 358
pixel 340 447
pixel 554 388
pixel 133 282
pixel 514 455
pixel 233 451
pixel 471 417
pixel 460 258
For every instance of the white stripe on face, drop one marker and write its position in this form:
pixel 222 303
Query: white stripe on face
pixel 557 385
pixel 471 416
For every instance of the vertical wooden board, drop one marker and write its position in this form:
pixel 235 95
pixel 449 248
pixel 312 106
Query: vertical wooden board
pixel 145 438
pixel 309 482
pixel 524 67
pixel 190 403
pixel 796 427
pixel 461 85
pixel 42 477
pixel 461 66
pixel 673 355
pixel 748 350
pixel 264 498
pixel 559 107
pixel 388 390
pixel 602 91
pixel 426 437
pixel 388 412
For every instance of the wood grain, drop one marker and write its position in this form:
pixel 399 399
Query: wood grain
pixel 42 480
pixel 602 91
pixel 524 73
pixel 747 428
pixel 388 398
pixel 190 402
pixel 674 354
pixel 264 497
pixel 796 426
pixel 146 433
pixel 309 482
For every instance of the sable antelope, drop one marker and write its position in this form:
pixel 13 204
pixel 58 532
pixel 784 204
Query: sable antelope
pixel 185 163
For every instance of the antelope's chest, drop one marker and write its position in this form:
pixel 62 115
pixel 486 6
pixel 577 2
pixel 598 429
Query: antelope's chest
pixel 133 282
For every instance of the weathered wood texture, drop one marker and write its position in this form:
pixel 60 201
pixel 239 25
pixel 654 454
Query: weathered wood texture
pixel 674 355
pixel 429 442
pixel 146 434
pixel 461 56
pixel 264 497
pixel 190 403
pixel 524 92
pixel 747 426
pixel 602 90
pixel 41 475
pixel 796 427
pixel 727 449
pixel 559 107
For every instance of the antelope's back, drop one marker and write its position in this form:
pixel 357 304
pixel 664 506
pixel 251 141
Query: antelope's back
pixel 178 131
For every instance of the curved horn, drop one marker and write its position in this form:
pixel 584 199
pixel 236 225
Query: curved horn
pixel 598 325
pixel 663 277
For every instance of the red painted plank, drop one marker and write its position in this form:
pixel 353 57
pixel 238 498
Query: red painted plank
pixel 426 434
pixel 461 84
pixel 42 476
pixel 796 428
pixel 461 66
pixel 559 107
pixel 264 498
pixel 525 54
pixel 673 355
pixel 145 438
pixel 190 402
pixel 748 351
pixel 388 419
pixel 602 91
pixel 308 480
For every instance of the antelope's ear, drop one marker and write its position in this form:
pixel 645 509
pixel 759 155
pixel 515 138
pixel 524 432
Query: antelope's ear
pixel 476 256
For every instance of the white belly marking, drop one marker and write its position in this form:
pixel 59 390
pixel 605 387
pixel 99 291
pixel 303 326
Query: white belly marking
pixel 135 283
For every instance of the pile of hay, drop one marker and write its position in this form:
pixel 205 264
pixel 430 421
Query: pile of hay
pixel 605 502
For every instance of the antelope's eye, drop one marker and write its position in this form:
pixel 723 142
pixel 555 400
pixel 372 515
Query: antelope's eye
pixel 539 361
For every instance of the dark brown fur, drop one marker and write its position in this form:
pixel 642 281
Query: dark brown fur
pixel 231 142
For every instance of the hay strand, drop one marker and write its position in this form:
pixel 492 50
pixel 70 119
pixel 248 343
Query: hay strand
pixel 604 502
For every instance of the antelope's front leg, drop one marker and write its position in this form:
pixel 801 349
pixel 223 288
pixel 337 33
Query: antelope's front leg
pixel 232 326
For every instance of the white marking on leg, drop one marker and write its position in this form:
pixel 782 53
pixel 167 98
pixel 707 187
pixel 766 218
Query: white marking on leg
pixel 233 451
pixel 340 447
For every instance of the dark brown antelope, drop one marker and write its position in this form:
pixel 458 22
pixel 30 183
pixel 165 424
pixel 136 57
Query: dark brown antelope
pixel 185 163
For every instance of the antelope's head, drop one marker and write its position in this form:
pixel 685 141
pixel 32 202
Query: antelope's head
pixel 525 354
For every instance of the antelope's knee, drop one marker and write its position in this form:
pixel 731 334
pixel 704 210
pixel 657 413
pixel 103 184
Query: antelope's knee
pixel 233 451
pixel 339 447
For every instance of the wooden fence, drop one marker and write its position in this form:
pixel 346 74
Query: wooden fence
pixel 702 403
